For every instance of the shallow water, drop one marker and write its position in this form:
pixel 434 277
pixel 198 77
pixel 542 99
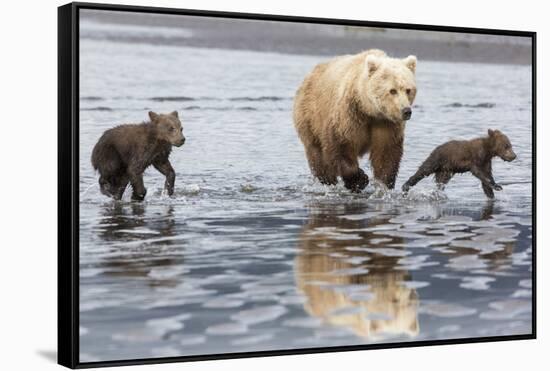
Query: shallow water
pixel 252 254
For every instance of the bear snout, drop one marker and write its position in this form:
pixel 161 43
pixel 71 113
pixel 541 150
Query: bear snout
pixel 406 113
pixel 180 142
pixel 511 156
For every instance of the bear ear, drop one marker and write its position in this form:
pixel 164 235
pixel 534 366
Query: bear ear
pixel 410 62
pixel 491 132
pixel 153 116
pixel 174 113
pixel 372 63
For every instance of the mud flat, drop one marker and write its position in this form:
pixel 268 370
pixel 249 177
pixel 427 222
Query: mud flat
pixel 308 39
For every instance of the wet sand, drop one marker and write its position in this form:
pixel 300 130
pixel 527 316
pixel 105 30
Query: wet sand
pixel 313 39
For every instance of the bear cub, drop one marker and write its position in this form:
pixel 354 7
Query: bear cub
pixel 124 152
pixel 460 156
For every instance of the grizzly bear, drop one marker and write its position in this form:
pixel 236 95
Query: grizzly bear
pixel 123 153
pixel 351 105
pixel 460 156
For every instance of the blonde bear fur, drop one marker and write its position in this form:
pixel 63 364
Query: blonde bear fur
pixel 351 105
pixel 345 285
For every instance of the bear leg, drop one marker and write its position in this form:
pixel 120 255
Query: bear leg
pixel 136 180
pixel 486 178
pixel 489 173
pixel 442 178
pixel 121 184
pixel 318 165
pixel 166 169
pixel 109 186
pixel 385 157
pixel 105 186
pixel 488 191
pixel 107 162
pixel 423 171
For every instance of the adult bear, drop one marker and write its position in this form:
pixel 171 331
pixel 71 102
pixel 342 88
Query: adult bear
pixel 351 105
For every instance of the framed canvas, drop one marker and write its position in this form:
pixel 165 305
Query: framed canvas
pixel 241 185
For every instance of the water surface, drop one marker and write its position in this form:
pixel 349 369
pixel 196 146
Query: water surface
pixel 252 254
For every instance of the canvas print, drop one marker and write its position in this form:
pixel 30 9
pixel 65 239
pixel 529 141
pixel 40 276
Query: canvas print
pixel 250 185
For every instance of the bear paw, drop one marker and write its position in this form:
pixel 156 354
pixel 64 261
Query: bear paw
pixel 356 182
pixel 106 188
pixel 138 196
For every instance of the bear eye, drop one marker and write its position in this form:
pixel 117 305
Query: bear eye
pixel 393 91
pixel 408 91
pixel 171 128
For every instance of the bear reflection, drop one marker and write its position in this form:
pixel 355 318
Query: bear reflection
pixel 136 240
pixel 498 260
pixel 350 287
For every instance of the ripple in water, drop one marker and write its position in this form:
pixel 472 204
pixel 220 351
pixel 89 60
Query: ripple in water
pixel 252 254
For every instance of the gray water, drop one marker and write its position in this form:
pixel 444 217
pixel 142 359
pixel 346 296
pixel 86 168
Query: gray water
pixel 252 254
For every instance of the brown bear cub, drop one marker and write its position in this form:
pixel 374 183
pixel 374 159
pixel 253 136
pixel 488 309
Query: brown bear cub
pixel 123 153
pixel 460 156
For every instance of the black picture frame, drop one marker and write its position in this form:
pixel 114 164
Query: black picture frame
pixel 68 178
